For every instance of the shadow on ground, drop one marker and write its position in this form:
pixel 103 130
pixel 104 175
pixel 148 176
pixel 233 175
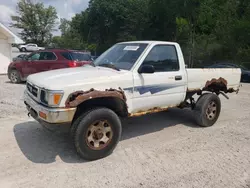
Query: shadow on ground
pixel 21 83
pixel 42 146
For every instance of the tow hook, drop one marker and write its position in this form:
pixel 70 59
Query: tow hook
pixel 224 95
pixel 29 114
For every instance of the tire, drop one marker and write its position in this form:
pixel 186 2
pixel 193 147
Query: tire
pixel 14 76
pixel 23 49
pixel 96 133
pixel 76 122
pixel 207 110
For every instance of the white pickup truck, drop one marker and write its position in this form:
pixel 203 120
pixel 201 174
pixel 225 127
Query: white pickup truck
pixel 129 79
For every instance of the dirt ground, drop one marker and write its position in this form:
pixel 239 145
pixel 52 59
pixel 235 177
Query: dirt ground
pixel 156 151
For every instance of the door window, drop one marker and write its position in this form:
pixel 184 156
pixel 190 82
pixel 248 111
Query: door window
pixel 47 56
pixel 163 58
pixel 34 57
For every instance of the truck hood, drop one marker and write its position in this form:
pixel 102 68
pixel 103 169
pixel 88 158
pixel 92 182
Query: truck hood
pixel 62 79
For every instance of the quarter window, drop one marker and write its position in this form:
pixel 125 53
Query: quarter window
pixel 66 55
pixel 76 56
pixel 163 58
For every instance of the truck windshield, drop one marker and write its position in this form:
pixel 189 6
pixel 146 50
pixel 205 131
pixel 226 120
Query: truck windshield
pixel 121 56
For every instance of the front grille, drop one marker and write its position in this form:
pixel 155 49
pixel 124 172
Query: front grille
pixel 32 89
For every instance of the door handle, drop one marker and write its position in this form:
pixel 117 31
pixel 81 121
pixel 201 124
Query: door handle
pixel 179 77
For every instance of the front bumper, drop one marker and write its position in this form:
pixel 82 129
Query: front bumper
pixel 46 115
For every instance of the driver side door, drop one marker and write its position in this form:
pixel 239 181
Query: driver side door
pixel 166 86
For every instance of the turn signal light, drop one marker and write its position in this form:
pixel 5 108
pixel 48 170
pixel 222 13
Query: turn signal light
pixel 42 115
pixel 57 98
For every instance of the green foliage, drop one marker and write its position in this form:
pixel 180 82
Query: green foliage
pixel 35 21
pixel 207 30
pixel 64 26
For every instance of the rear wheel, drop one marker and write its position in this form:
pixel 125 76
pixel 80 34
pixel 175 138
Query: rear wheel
pixel 207 110
pixel 15 76
pixel 97 133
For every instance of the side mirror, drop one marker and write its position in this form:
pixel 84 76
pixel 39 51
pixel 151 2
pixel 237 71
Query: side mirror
pixel 147 69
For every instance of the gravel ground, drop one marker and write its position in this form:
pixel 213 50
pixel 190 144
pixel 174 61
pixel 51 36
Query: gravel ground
pixel 160 150
pixel 11 95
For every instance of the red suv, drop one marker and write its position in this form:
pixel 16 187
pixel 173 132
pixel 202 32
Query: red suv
pixel 44 60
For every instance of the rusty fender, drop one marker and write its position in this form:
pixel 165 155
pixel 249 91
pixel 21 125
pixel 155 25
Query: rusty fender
pixel 193 90
pixel 79 97
pixel 215 85
pixel 220 81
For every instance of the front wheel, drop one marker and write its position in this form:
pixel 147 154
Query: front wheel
pixel 207 109
pixel 97 133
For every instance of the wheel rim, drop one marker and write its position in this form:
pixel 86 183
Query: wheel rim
pixel 211 110
pixel 99 135
pixel 13 77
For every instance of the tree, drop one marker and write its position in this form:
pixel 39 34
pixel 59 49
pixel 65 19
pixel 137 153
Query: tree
pixel 35 21
pixel 64 26
pixel 207 30
pixel 71 36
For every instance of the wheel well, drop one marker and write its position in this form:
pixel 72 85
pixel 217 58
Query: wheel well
pixel 13 68
pixel 113 103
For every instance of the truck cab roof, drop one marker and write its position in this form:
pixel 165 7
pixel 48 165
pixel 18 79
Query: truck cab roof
pixel 150 42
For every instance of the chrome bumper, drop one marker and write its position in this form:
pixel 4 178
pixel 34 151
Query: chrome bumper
pixel 48 115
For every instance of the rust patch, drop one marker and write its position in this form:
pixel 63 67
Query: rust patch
pixel 193 90
pixel 150 111
pixel 232 90
pixel 78 97
pixel 220 81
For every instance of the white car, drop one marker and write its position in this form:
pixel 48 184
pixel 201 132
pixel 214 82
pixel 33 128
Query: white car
pixel 129 79
pixel 29 48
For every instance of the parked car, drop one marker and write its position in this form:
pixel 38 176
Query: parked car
pixel 29 48
pixel 129 79
pixel 20 57
pixel 45 60
pixel 94 57
pixel 245 74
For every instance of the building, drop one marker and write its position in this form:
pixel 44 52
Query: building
pixel 7 38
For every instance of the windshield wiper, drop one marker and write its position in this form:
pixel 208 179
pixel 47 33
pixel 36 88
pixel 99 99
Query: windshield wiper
pixel 109 66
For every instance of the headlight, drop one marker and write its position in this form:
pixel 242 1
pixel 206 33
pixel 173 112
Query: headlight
pixel 51 98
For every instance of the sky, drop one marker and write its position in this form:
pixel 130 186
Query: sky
pixel 65 9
